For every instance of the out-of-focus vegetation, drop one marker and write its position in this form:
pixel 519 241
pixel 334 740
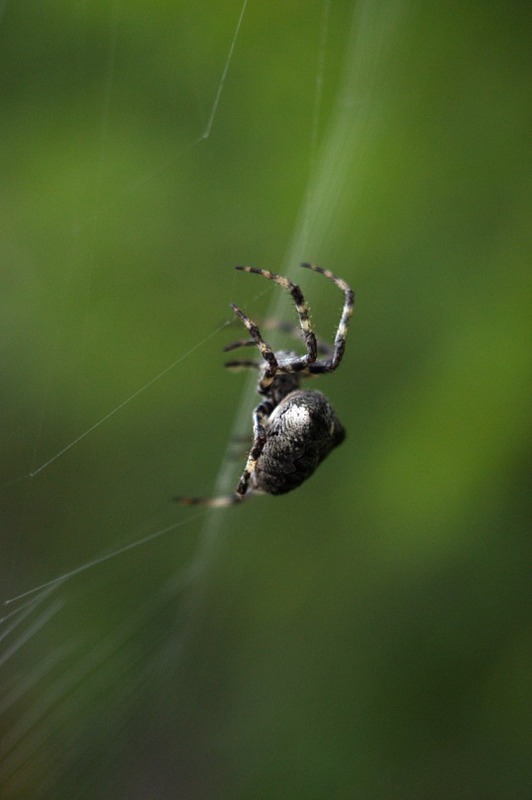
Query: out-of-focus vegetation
pixel 369 635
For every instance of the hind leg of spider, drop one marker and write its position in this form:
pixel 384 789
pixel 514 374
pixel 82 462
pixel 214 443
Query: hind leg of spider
pixel 302 312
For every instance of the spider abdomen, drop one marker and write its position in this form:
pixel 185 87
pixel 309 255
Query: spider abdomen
pixel 300 432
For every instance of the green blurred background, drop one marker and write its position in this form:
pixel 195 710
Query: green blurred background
pixel 369 635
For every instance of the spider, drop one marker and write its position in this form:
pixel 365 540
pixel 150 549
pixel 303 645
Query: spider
pixel 294 429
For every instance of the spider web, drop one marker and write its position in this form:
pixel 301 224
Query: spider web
pixel 176 144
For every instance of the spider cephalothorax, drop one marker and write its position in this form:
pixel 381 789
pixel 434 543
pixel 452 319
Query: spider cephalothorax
pixel 294 429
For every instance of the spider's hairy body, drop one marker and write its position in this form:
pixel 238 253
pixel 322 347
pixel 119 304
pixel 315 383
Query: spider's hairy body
pixel 300 432
pixel 293 429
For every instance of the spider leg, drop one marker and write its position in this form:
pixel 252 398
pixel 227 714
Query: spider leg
pixel 272 324
pixel 242 363
pixel 302 312
pixel 261 413
pixel 223 501
pixel 323 348
pixel 332 363
pixel 265 349
pixel 240 343
pixel 279 326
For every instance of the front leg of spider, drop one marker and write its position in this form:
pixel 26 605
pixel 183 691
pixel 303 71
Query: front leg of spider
pixel 294 429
